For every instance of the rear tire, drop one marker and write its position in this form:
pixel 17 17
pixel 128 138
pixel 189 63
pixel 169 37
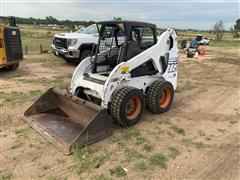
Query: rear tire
pixel 127 106
pixel 12 67
pixel 160 96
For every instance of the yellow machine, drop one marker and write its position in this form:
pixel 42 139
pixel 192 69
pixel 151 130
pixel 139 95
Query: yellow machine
pixel 10 44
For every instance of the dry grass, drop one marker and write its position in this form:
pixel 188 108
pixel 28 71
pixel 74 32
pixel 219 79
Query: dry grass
pixel 152 149
pixel 33 37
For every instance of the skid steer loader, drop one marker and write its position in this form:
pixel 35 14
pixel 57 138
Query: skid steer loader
pixel 10 44
pixel 129 68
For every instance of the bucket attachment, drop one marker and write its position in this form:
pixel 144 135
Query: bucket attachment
pixel 68 121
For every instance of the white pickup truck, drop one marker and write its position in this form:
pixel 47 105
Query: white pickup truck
pixel 202 40
pixel 75 46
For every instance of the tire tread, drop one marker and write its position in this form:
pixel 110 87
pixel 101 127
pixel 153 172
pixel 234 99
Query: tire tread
pixel 117 101
pixel 152 96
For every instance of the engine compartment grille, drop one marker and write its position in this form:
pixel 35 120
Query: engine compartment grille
pixel 12 37
pixel 60 42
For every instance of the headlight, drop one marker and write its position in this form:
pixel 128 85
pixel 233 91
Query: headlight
pixel 71 42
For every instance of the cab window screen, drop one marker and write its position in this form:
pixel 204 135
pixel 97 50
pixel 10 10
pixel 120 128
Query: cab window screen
pixel 111 39
pixel 140 39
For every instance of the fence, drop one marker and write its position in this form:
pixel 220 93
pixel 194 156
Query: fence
pixel 41 50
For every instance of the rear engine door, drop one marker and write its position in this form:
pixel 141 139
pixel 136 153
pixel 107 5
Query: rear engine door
pixel 13 44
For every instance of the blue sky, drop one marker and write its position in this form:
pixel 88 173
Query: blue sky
pixel 199 14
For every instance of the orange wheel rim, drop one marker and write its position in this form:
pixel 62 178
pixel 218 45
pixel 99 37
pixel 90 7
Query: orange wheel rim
pixel 133 107
pixel 165 99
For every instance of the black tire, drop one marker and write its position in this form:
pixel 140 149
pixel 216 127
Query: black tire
pixel 12 67
pixel 84 54
pixel 160 96
pixel 72 61
pixel 127 106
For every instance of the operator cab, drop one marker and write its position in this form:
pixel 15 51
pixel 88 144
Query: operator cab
pixel 119 41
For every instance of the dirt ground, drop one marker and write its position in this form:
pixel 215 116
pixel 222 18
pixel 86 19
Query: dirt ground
pixel 197 139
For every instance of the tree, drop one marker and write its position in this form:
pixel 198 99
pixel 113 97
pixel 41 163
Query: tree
pixel 218 29
pixel 52 20
pixel 117 18
pixel 237 28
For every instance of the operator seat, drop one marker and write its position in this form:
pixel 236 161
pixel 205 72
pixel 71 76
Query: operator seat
pixel 134 44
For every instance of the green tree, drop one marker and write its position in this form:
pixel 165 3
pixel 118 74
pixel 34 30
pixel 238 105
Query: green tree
pixel 237 28
pixel 117 18
pixel 52 20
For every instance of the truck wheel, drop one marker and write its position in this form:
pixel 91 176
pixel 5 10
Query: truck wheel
pixel 85 54
pixel 72 61
pixel 160 96
pixel 127 106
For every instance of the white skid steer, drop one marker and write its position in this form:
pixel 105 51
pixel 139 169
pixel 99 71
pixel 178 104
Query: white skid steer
pixel 129 69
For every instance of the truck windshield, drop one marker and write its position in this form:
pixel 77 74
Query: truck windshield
pixel 92 29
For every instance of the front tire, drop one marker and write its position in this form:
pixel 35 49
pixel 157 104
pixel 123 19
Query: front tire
pixel 71 61
pixel 160 96
pixel 85 54
pixel 127 106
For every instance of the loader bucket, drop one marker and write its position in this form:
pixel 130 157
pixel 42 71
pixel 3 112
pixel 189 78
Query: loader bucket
pixel 68 121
